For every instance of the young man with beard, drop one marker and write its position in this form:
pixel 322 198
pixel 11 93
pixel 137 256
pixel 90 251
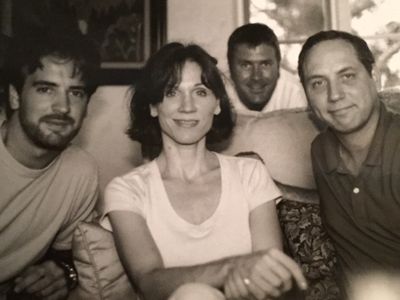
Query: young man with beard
pixel 254 63
pixel 356 160
pixel 47 185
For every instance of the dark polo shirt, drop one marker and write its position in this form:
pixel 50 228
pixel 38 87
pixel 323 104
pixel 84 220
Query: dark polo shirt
pixel 362 214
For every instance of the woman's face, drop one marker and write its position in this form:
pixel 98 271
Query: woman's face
pixel 187 110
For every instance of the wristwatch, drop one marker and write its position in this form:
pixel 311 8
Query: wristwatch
pixel 70 274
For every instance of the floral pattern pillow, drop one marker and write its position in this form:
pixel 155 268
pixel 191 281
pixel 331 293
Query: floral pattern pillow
pixel 308 243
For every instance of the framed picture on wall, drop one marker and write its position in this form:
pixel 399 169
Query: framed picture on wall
pixel 126 31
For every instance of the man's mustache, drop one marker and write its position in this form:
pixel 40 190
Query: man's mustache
pixel 57 117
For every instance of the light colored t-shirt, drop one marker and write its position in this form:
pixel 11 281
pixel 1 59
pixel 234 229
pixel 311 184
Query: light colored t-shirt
pixel 245 185
pixel 288 93
pixel 40 208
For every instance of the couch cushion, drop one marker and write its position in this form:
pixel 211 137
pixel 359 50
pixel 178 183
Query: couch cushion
pixel 307 241
pixel 282 139
pixel 101 275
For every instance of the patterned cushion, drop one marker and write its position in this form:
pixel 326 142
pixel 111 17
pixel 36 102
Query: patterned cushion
pixel 308 243
pixel 101 275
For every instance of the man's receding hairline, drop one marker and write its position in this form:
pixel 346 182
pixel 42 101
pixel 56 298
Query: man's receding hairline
pixel 307 54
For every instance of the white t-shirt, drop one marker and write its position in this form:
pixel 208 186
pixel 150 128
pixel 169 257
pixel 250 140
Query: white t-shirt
pixel 288 93
pixel 245 185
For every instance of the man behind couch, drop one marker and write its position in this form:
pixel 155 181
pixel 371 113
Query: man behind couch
pixel 260 83
pixel 356 161
pixel 47 185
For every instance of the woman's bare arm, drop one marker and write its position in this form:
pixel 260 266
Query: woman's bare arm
pixel 143 263
pixel 273 273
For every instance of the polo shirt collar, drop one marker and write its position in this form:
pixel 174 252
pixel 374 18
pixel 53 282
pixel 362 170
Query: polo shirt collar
pixel 331 145
pixel 374 157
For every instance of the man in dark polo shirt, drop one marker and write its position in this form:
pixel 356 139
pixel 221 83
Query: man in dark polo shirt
pixel 356 161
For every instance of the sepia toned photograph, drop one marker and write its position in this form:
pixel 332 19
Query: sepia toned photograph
pixel 186 149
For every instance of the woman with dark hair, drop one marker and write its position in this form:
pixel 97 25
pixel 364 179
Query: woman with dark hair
pixel 163 71
pixel 191 223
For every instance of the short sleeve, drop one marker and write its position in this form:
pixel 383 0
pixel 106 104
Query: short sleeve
pixel 259 185
pixel 122 194
pixel 84 190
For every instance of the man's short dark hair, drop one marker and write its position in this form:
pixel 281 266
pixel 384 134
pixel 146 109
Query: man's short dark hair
pixel 253 35
pixel 4 43
pixel 361 48
pixel 25 54
pixel 163 72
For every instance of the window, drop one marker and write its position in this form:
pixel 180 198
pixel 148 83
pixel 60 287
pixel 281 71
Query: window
pixel 377 21
pixel 374 20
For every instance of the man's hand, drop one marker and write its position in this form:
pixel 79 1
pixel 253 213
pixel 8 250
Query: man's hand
pixel 263 275
pixel 45 281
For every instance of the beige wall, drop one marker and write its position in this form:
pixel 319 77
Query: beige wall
pixel 103 133
pixel 206 22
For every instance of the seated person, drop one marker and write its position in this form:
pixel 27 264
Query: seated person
pixel 356 159
pixel 192 222
pixel 47 186
pixel 305 238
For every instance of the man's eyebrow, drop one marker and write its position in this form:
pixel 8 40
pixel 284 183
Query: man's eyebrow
pixel 44 82
pixel 346 69
pixel 340 71
pixel 50 83
pixel 315 76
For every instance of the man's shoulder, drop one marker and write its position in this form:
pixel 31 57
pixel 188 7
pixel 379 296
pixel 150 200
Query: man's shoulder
pixel 319 142
pixel 76 157
pixel 395 118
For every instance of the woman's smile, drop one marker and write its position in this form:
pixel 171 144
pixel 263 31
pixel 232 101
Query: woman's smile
pixel 186 123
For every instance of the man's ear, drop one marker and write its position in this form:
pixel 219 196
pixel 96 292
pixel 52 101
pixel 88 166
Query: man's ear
pixel 14 98
pixel 376 76
pixel 153 110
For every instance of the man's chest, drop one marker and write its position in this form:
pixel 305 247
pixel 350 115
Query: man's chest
pixel 370 201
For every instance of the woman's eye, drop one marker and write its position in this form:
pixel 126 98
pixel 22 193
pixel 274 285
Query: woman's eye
pixel 202 92
pixel 170 93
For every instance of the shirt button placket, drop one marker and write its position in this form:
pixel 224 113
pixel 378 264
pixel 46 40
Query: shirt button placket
pixel 358 205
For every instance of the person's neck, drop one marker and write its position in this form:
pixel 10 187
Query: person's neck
pixel 254 107
pixel 186 163
pixel 354 147
pixel 22 149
